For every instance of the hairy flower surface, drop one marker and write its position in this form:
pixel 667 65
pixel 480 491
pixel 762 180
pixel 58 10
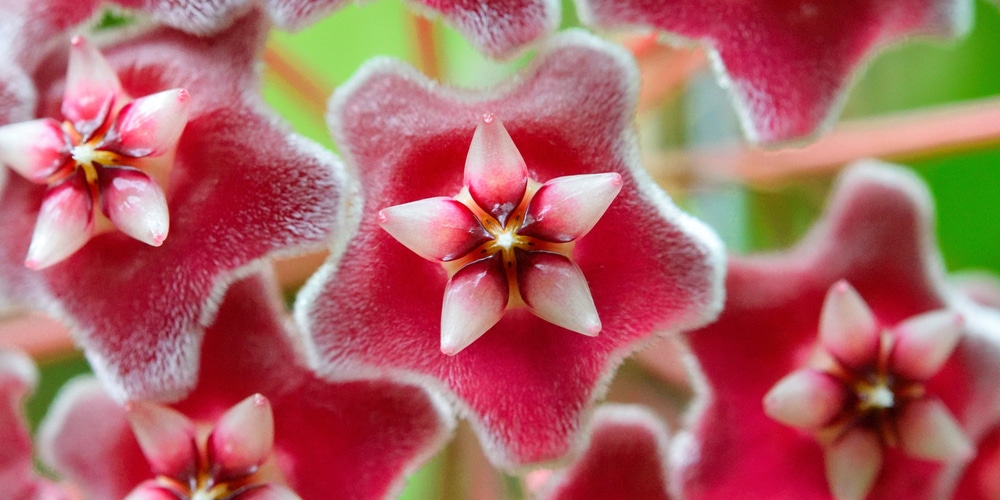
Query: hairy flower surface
pixel 882 392
pixel 626 457
pixel 18 378
pixel 299 431
pixel 526 382
pixel 787 63
pixel 498 28
pixel 242 188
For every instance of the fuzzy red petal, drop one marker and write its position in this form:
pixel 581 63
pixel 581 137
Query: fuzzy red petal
pixel 18 377
pixel 625 458
pixel 208 17
pixel 787 62
pixel 242 188
pixel 373 432
pixel 498 28
pixel 526 383
pixel 86 437
pixel 876 235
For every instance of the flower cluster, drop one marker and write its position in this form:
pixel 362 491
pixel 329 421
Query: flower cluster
pixel 499 263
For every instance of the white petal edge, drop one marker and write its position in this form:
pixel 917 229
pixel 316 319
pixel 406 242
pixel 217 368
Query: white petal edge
pixel 924 343
pixel 65 223
pixel 439 229
pixel 135 204
pixel 806 399
pixel 853 463
pixel 554 289
pixel 847 327
pixel 495 172
pixel 567 208
pixel 242 438
pixel 927 430
pixel 474 300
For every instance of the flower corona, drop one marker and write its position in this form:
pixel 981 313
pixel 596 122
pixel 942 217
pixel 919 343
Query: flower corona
pixel 506 240
pixel 105 165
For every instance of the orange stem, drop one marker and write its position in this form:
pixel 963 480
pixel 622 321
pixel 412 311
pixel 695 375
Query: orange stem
pixel 311 88
pixel 427 49
pixel 899 137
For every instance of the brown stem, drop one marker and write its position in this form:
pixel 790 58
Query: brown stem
pixel 35 334
pixel 427 49
pixel 309 86
pixel 898 137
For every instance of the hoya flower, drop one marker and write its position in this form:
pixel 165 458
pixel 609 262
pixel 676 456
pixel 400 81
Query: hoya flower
pixel 845 367
pixel 787 64
pixel 625 457
pixel 527 195
pixel 260 424
pixel 18 377
pixel 241 188
pixel 99 163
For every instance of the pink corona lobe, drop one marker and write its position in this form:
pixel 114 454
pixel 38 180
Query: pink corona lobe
pixel 866 391
pixel 227 464
pixel 506 240
pixel 103 165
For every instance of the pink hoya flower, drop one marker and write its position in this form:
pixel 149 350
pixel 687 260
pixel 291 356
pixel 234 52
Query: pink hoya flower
pixel 260 424
pixel 101 164
pixel 18 377
pixel 240 188
pixel 498 28
pixel 845 367
pixel 483 213
pixel 625 457
pixel 786 63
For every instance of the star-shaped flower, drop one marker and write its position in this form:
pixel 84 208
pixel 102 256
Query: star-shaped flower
pixel 99 163
pixel 259 421
pixel 506 240
pixel 625 457
pixel 241 188
pixel 786 63
pixel 527 382
pixel 880 393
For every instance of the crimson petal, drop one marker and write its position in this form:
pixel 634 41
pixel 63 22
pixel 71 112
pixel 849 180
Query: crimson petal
pixel 875 234
pixel 243 188
pixel 526 384
pixel 787 64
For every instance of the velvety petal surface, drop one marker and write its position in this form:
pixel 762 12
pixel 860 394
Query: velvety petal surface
pixel 86 438
pixel 331 440
pixel 498 28
pixel 242 188
pixel 373 432
pixel 625 458
pixel 786 63
pixel 876 234
pixel 526 382
pixel 208 17
pixel 18 378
